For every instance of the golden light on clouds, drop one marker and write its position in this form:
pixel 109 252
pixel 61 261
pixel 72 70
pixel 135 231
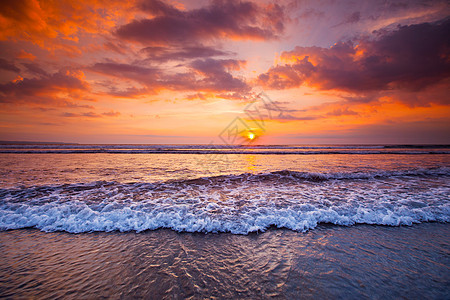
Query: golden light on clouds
pixel 150 71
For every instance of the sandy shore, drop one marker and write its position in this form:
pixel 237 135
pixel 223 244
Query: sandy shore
pixel 331 261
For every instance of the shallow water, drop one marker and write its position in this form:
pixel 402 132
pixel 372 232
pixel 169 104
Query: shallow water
pixel 18 169
pixel 238 193
pixel 358 262
pixel 116 221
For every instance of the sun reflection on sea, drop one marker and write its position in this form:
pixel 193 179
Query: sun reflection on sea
pixel 251 163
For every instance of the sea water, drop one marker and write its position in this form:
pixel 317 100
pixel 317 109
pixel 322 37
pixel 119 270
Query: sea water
pixel 232 193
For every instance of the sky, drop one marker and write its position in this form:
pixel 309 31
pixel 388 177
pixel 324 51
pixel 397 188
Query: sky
pixel 183 72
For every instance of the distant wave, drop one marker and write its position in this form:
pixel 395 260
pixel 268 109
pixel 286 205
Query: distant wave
pixel 224 149
pixel 211 146
pixel 233 203
pixel 220 151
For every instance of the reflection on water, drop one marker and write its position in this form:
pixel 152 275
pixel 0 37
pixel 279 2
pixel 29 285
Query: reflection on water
pixel 43 169
pixel 103 191
pixel 251 163
pixel 329 262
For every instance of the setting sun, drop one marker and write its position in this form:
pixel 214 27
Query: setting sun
pixel 251 136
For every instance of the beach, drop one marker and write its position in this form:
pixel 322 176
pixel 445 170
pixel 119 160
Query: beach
pixel 357 262
pixel 351 222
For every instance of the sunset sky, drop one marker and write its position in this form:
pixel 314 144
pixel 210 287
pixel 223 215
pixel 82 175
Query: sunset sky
pixel 106 71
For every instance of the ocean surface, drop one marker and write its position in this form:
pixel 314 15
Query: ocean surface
pixel 177 221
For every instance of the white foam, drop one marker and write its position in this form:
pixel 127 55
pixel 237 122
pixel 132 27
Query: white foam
pixel 78 217
pixel 236 204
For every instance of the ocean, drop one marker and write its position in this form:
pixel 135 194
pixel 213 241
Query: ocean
pixel 211 221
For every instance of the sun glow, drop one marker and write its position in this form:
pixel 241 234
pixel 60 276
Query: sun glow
pixel 251 136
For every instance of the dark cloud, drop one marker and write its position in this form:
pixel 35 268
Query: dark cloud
pixel 128 70
pixel 151 78
pixel 221 19
pixel 211 66
pixel 156 7
pixel 402 5
pixel 130 92
pixel 162 54
pixel 119 48
pixel 216 76
pixel 145 75
pixel 350 19
pixel 47 85
pixel 287 76
pixel 409 58
pixel 353 18
pixel 203 75
pixel 8 66
pixel 35 69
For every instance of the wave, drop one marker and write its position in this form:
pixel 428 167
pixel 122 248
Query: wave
pixel 437 171
pixel 252 151
pixel 233 203
pixel 77 217
pixel 224 149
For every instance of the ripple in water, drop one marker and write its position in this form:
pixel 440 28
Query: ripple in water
pixel 330 262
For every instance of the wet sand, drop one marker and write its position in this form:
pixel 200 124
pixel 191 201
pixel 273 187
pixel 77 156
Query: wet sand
pixel 330 261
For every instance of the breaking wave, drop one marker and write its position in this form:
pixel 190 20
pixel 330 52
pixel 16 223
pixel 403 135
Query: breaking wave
pixel 238 204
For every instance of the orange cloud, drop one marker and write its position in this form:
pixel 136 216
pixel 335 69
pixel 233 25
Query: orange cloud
pixel 40 22
pixel 408 58
pixel 23 19
pixel 25 55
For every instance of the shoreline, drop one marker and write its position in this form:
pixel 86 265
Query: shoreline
pixel 320 226
pixel 330 261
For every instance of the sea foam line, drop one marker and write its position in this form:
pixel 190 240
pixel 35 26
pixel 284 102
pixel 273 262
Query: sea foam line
pixel 233 203
pixel 76 217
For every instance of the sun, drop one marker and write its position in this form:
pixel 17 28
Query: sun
pixel 251 136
